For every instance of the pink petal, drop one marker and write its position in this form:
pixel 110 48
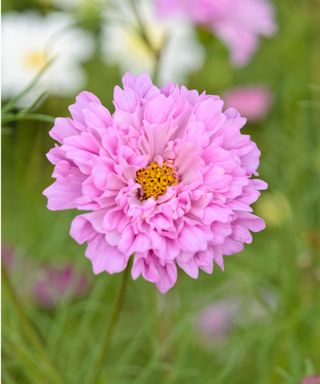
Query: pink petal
pixel 105 257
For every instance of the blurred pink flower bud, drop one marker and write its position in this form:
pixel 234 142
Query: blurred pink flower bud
pixel 7 256
pixel 252 102
pixel 216 321
pixel 56 283
pixel 311 380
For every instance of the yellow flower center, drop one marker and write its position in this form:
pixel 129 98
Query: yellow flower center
pixel 155 180
pixel 36 60
pixel 137 47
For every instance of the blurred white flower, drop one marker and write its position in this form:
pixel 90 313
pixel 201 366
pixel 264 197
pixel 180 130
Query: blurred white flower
pixel 123 45
pixel 30 41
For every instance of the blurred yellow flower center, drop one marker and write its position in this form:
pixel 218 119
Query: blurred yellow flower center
pixel 155 180
pixel 36 60
pixel 138 47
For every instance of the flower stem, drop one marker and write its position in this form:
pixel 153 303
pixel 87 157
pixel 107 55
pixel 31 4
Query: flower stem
pixel 156 52
pixel 30 331
pixel 143 31
pixel 157 66
pixel 100 358
pixel 8 118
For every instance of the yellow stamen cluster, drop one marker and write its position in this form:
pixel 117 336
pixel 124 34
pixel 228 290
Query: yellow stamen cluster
pixel 36 60
pixel 155 180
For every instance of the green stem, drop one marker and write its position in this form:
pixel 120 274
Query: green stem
pixel 100 358
pixel 30 116
pixel 12 103
pixel 146 38
pixel 141 26
pixel 157 66
pixel 30 331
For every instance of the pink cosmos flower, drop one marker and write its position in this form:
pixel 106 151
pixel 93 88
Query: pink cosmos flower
pixel 252 102
pixel 167 180
pixel 239 24
pixel 56 283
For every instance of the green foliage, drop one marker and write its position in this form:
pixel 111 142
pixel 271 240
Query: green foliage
pixel 155 340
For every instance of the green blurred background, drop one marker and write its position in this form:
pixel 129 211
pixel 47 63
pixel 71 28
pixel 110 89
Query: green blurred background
pixel 156 340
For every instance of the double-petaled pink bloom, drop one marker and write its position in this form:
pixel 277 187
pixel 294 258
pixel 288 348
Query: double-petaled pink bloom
pixel 238 23
pixel 167 180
